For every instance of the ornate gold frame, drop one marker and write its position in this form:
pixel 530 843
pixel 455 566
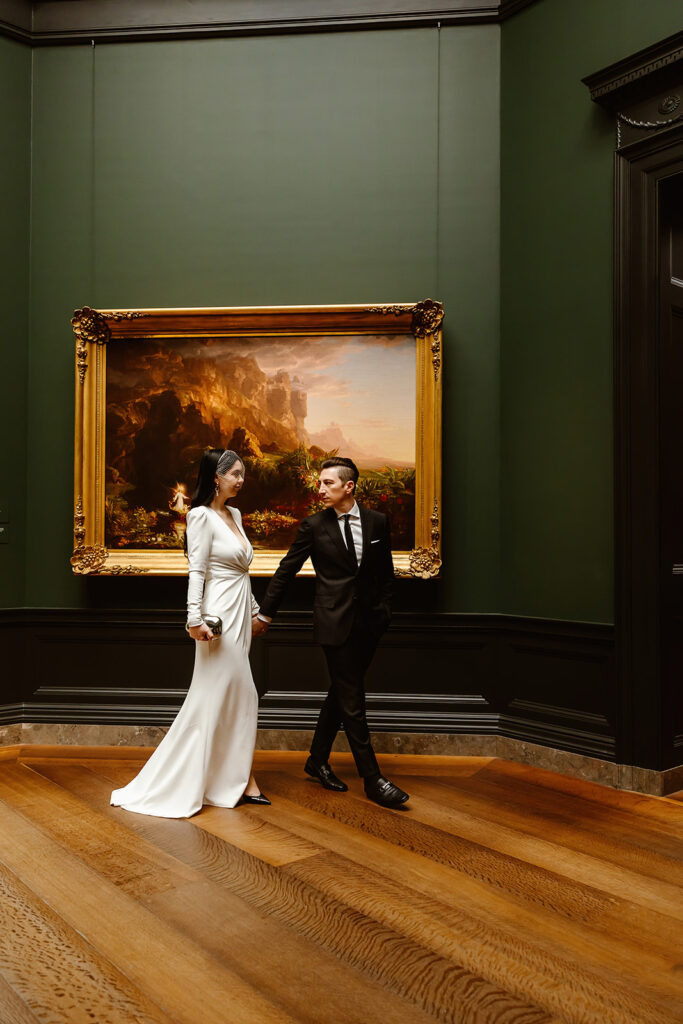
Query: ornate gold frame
pixel 94 329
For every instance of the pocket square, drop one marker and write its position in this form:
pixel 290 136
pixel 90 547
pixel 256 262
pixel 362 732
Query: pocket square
pixel 376 541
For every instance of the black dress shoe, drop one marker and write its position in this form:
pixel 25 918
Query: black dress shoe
pixel 385 793
pixel 324 774
pixel 260 799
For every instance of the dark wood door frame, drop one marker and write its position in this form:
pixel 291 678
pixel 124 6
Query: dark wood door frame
pixel 645 93
pixel 645 733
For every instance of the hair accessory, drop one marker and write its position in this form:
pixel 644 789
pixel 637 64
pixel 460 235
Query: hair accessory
pixel 225 461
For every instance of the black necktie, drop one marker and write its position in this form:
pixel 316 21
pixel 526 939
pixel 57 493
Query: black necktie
pixel 349 540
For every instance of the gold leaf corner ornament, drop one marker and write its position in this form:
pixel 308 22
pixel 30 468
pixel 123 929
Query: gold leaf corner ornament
pixel 426 562
pixel 427 317
pixel 92 558
pixel 90 327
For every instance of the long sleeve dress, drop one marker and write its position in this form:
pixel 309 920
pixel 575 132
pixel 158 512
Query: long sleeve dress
pixel 206 755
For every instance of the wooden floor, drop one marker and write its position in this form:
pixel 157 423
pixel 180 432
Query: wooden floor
pixel 501 894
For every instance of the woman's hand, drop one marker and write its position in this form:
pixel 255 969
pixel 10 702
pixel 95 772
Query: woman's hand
pixel 258 626
pixel 201 632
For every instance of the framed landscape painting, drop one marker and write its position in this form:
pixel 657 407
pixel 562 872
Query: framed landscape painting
pixel 286 388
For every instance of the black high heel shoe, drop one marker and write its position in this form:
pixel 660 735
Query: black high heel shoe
pixel 260 799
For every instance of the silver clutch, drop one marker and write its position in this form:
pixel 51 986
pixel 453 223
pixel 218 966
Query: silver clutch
pixel 214 623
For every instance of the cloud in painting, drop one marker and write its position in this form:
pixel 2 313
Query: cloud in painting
pixel 301 356
pixel 366 382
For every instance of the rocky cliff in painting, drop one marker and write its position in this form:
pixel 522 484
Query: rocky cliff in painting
pixel 167 401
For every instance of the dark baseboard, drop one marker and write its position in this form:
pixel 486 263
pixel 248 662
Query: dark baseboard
pixel 547 682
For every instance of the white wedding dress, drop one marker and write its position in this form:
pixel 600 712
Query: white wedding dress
pixel 206 755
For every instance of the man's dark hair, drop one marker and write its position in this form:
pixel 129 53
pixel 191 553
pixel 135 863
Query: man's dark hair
pixel 348 470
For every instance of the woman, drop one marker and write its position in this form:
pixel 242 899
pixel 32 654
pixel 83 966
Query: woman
pixel 206 756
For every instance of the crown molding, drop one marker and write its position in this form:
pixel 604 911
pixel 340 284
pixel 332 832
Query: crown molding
pixel 61 22
pixel 15 19
pixel 647 70
pixel 643 92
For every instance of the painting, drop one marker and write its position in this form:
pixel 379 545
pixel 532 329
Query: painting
pixel 285 389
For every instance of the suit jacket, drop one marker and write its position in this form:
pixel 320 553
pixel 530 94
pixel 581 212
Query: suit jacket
pixel 341 590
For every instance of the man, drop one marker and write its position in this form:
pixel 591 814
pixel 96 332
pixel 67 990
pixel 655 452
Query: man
pixel 350 548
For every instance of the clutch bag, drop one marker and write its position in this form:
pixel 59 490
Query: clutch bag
pixel 215 624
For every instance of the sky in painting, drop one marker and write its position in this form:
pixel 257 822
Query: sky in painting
pixel 363 385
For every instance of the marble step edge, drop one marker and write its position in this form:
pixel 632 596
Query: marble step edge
pixel 130 741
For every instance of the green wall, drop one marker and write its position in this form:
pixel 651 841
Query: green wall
pixel 556 295
pixel 293 169
pixel 15 170
pixel 467 164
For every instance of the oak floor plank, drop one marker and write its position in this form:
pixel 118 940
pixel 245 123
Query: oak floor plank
pixel 523 781
pixel 259 837
pixel 223 924
pixel 437 985
pixel 479 939
pixel 107 846
pixel 118 775
pixel 531 884
pixel 636 925
pixel 12 1007
pixel 618 809
pixel 646 845
pixel 353 937
pixel 391 764
pixel 358 942
pixel 56 972
pixel 648 806
pixel 500 895
pixel 44 752
pixel 199 913
pixel 593 858
pixel 412 984
pixel 264 840
pixel 495 909
pixel 127 933
pixel 594 993
pixel 342 762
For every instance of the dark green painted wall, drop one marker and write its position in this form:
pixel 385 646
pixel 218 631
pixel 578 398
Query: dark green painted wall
pixel 294 169
pixel 15 171
pixel 346 168
pixel 556 293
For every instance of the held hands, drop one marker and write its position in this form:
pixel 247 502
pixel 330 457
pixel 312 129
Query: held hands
pixel 201 632
pixel 258 626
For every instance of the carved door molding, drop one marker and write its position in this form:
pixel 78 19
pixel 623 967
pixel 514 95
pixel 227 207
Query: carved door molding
pixel 644 93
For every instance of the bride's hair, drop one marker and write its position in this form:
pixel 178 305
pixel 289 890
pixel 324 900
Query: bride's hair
pixel 214 460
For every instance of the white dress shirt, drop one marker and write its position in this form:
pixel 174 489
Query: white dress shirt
pixel 356 529
pixel 356 533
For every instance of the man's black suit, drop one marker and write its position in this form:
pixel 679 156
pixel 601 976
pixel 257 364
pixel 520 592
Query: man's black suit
pixel 351 610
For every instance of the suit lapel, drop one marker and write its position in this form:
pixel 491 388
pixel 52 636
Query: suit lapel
pixel 332 527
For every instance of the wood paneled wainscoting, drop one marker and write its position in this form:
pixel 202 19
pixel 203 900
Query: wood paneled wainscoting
pixel 501 894
pixel 540 691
